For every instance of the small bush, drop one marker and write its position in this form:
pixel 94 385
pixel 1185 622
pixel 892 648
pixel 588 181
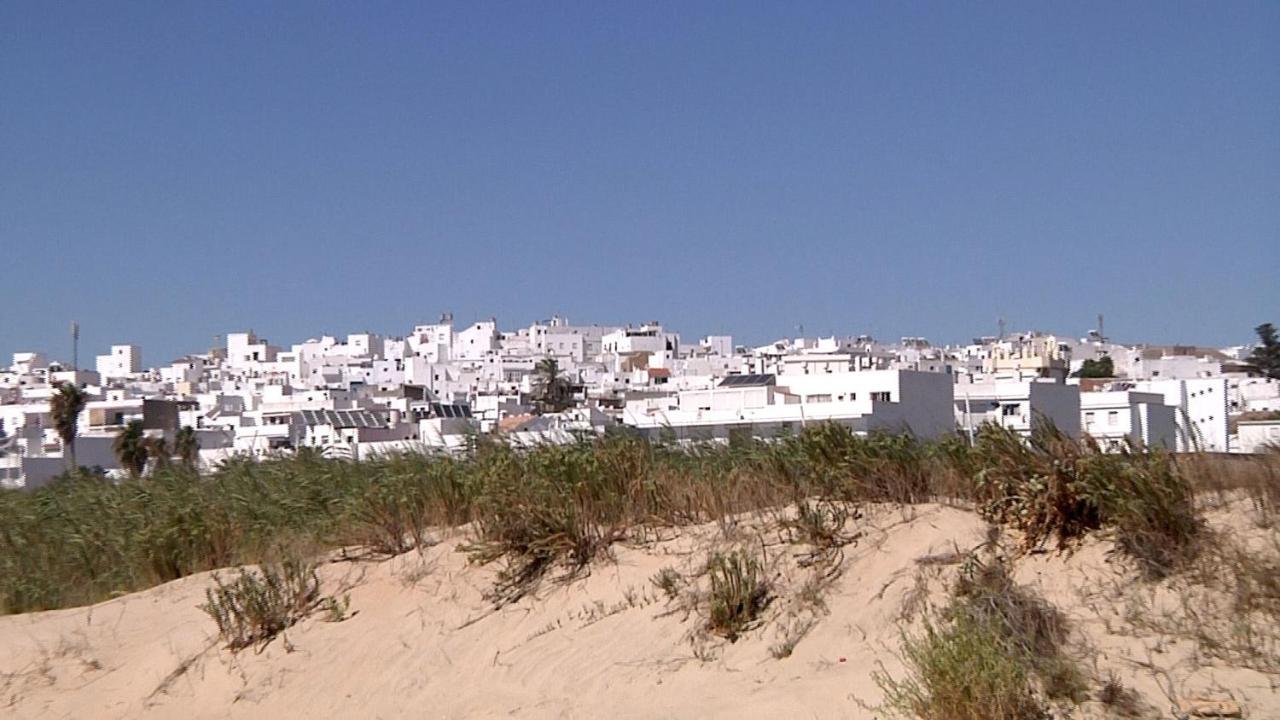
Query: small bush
pixel 821 524
pixel 961 671
pixel 1120 700
pixel 668 581
pixel 553 503
pixel 336 609
pixel 991 653
pixel 1057 487
pixel 739 593
pixel 1030 628
pixel 259 605
pixel 391 516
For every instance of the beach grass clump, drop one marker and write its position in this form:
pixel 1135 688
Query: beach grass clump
pixel 1055 487
pixel 831 460
pixel 821 524
pixel 959 670
pixel 995 652
pixel 739 593
pixel 257 605
pixel 552 504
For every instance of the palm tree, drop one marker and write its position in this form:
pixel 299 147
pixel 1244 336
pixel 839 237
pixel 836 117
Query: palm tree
pixel 65 407
pixel 131 448
pixel 186 446
pixel 157 450
pixel 551 390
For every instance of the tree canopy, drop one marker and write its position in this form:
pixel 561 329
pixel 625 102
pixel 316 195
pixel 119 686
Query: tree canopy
pixel 1100 368
pixel 551 390
pixel 1266 356
pixel 64 408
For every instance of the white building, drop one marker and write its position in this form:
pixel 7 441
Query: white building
pixel 245 349
pixel 122 362
pixel 1116 418
pixel 1019 405
pixel 1257 436
pixel 762 406
pixel 477 341
pixel 1200 411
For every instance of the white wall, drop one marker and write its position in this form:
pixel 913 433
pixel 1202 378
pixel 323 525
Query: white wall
pixel 1259 436
pixel 1201 411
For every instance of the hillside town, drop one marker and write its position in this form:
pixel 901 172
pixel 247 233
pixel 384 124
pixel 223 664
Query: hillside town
pixel 442 385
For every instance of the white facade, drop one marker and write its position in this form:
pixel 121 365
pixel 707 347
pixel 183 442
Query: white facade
pixel 245 349
pixel 121 362
pixel 889 401
pixel 1257 436
pixel 1021 406
pixel 476 341
pixel 1119 417
pixel 1200 411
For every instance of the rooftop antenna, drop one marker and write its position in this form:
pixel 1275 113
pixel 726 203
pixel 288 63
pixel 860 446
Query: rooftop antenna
pixel 75 345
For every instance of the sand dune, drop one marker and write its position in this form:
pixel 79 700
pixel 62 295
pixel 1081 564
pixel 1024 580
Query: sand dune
pixel 423 640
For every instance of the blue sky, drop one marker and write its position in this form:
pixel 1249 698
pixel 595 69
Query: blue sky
pixel 171 171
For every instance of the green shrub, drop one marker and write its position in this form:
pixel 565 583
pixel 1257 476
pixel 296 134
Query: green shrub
pixel 668 581
pixel 1057 487
pixel 259 605
pixel 739 593
pixel 991 653
pixel 960 671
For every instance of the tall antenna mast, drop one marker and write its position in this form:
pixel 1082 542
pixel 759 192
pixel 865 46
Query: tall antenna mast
pixel 1000 322
pixel 75 345
pixel 1102 335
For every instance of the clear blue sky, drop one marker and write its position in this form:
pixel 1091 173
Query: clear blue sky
pixel 170 171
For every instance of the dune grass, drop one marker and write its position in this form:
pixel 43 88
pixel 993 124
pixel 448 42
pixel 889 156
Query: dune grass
pixel 82 539
pixel 994 652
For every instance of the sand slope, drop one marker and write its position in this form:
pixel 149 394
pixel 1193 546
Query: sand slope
pixel 424 641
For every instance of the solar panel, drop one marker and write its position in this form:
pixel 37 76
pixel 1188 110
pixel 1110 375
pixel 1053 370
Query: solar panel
pixel 748 381
pixel 446 410
pixel 343 418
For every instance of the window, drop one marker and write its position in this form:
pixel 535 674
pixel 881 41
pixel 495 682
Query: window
pixel 880 396
pixel 1009 410
pixel 1113 417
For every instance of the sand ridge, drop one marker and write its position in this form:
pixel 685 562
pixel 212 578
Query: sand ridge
pixel 424 640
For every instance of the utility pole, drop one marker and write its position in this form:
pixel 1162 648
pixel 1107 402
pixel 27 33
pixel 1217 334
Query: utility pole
pixel 75 346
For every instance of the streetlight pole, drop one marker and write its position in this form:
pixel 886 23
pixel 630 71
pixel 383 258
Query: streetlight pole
pixel 75 347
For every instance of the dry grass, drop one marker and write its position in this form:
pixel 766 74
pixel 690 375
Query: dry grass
pixel 258 605
pixel 83 540
pixel 1055 487
pixel 1228 603
pixel 995 652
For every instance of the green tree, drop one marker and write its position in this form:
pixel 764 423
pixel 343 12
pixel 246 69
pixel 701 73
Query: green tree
pixel 1266 357
pixel 65 407
pixel 131 448
pixel 158 450
pixel 1101 368
pixel 551 391
pixel 187 447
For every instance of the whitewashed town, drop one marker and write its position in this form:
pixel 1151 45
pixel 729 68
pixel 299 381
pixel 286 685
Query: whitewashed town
pixel 442 384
